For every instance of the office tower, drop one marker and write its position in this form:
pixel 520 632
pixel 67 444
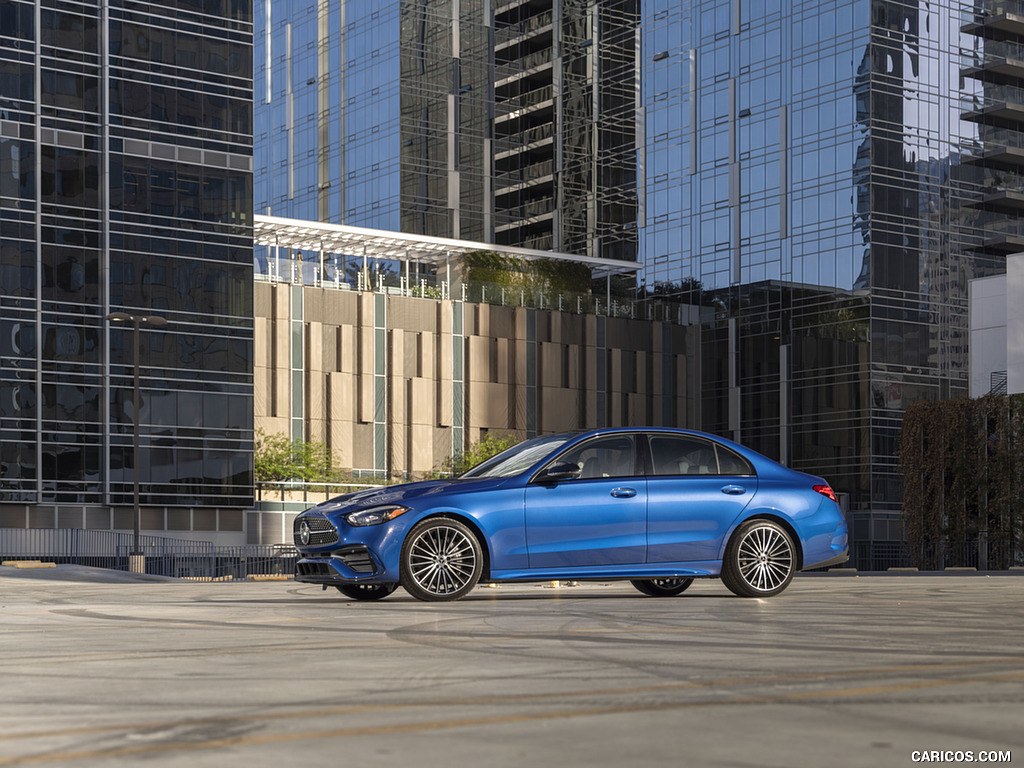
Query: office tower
pixel 566 117
pixel 812 185
pixel 125 187
pixel 505 122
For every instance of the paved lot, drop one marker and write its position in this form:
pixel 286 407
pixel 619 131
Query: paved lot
pixel 102 670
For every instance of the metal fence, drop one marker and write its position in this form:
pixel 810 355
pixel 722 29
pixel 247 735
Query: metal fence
pixel 179 558
pixel 937 556
pixel 188 559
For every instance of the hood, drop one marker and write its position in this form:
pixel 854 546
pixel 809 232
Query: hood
pixel 406 493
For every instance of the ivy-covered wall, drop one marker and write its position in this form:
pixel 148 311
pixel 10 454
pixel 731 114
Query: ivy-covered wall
pixel 962 467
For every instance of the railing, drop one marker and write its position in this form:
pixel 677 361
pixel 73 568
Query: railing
pixel 179 558
pixel 995 50
pixel 296 271
pixel 514 31
pixel 521 139
pixel 518 66
pixel 994 137
pixel 937 556
pixel 539 207
pixel 992 226
pixel 522 102
pixel 1003 182
pixel 992 96
pixel 997 383
pixel 527 174
pixel 289 490
pixel 199 560
pixel 979 10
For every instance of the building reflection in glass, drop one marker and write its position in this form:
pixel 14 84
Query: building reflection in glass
pixel 805 186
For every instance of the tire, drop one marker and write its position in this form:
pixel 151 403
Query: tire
pixel 662 587
pixel 367 591
pixel 760 559
pixel 441 560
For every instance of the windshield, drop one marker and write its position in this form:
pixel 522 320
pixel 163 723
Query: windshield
pixel 519 458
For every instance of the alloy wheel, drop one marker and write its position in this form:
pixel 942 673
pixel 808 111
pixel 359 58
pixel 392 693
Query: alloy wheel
pixel 442 560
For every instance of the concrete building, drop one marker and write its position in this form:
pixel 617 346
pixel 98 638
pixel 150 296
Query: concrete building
pixel 997 331
pixel 394 381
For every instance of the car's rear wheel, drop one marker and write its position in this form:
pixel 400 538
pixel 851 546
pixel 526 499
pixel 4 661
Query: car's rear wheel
pixel 441 560
pixel 662 587
pixel 367 591
pixel 760 559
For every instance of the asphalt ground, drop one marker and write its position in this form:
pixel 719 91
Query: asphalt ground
pixel 103 669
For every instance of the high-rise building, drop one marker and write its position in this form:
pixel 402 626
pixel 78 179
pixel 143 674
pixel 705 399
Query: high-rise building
pixel 815 178
pixel 566 93
pixel 492 121
pixel 125 187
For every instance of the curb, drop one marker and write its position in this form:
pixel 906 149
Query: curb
pixel 27 564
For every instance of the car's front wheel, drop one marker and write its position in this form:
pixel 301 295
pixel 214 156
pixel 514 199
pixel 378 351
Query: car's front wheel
pixel 367 591
pixel 441 560
pixel 662 587
pixel 760 559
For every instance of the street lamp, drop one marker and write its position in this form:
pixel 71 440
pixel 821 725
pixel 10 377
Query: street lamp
pixel 137 561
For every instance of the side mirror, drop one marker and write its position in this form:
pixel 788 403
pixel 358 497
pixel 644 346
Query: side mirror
pixel 562 470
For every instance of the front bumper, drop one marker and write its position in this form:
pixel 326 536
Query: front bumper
pixel 354 563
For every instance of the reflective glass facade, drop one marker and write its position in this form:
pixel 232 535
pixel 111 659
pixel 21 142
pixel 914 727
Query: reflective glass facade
pixel 491 121
pixel 806 184
pixel 372 114
pixel 125 186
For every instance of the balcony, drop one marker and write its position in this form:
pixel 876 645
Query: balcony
pixel 996 148
pixel 528 178
pixel 536 140
pixel 522 67
pixel 1002 193
pixel 1001 106
pixel 994 19
pixel 999 62
pixel 535 212
pixel 528 115
pixel 515 34
pixel 1003 236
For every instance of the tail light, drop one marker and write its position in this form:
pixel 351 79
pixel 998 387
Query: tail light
pixel 825 490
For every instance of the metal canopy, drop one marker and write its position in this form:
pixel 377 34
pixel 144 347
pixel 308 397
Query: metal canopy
pixel 315 236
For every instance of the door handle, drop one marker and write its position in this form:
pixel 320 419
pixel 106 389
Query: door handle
pixel 623 493
pixel 734 490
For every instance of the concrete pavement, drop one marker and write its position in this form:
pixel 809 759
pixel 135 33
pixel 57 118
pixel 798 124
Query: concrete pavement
pixel 103 669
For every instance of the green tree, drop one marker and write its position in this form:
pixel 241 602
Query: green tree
pixel 279 457
pixel 490 445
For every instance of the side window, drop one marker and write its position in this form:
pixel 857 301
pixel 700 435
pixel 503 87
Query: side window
pixel 682 455
pixel 612 456
pixel 731 463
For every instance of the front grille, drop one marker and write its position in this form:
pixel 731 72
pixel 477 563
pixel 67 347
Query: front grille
pixel 321 531
pixel 314 569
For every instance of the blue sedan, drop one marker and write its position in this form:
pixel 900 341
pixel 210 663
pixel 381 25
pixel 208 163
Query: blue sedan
pixel 657 507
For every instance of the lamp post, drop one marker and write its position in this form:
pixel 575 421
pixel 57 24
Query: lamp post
pixel 137 561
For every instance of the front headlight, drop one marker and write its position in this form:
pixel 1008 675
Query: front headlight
pixel 375 515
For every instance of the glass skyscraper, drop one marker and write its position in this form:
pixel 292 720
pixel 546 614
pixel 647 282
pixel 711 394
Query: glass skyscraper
pixel 125 186
pixel 492 121
pixel 812 182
